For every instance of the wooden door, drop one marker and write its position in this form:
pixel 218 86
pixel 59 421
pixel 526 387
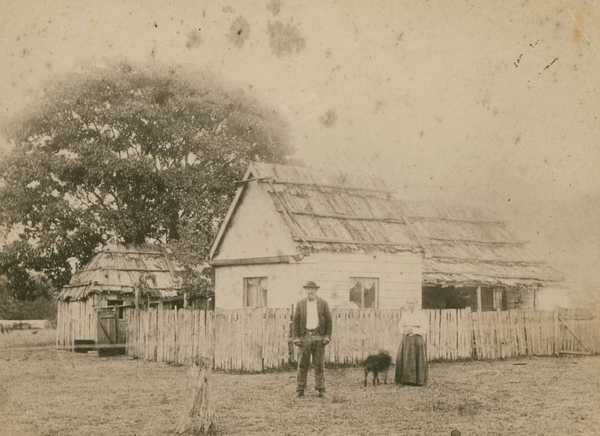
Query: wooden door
pixel 108 332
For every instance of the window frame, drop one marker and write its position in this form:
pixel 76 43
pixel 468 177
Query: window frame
pixel 264 294
pixel 377 280
pixel 117 305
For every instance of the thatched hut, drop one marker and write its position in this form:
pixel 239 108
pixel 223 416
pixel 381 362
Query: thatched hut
pixel 117 277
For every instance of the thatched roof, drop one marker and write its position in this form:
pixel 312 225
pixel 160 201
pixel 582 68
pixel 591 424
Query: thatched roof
pixel 120 269
pixel 333 211
pixel 470 246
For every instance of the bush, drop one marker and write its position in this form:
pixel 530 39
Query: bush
pixel 40 308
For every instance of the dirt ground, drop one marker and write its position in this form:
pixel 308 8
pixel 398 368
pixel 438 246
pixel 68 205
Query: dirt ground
pixel 45 392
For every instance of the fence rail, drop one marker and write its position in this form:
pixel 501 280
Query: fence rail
pixel 258 339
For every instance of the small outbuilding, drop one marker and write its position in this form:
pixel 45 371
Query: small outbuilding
pixel 91 307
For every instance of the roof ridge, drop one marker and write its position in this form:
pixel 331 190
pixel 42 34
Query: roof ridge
pixel 332 177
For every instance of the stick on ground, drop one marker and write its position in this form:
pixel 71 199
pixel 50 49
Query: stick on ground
pixel 199 417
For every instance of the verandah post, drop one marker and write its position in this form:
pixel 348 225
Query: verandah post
pixel 557 338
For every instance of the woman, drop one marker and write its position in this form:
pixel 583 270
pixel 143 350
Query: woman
pixel 411 359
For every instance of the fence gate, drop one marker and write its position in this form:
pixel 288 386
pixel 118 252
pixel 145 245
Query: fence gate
pixel 108 342
pixel 576 326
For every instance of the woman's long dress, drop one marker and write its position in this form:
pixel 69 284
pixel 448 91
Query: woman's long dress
pixel 411 361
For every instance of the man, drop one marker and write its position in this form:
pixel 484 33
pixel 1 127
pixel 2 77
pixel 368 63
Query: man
pixel 312 331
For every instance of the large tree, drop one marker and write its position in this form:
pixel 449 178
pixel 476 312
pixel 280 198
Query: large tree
pixel 134 153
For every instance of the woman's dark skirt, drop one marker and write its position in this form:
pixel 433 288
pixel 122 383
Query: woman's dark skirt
pixel 411 361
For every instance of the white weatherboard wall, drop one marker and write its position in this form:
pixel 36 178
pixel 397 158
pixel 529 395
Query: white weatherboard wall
pixel 399 276
pixel 256 229
pixel 283 284
pixel 399 279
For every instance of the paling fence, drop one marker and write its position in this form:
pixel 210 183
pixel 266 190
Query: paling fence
pixel 258 339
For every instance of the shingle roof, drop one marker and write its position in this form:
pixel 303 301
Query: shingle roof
pixel 467 246
pixel 335 211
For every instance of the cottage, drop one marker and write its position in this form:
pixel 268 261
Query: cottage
pixel 116 277
pixel 288 225
pixel 364 246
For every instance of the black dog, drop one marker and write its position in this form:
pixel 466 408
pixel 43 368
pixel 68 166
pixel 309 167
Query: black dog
pixel 377 363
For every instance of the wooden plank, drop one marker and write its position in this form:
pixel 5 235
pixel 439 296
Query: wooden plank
pixel 254 340
pixel 581 353
pixel 252 261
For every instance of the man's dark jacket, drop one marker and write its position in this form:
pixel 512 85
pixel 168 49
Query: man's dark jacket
pixel 323 312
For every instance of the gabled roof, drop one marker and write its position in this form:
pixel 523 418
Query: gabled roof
pixel 330 211
pixel 334 211
pixel 467 246
pixel 120 269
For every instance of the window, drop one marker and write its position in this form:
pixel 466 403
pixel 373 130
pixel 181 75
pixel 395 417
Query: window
pixel 118 305
pixel 255 292
pixel 364 292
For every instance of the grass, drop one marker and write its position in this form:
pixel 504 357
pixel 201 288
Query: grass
pixel 60 393
pixel 27 338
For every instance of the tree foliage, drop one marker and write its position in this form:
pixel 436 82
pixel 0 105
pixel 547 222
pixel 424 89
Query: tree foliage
pixel 129 153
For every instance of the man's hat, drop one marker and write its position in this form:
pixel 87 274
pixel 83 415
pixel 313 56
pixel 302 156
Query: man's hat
pixel 310 285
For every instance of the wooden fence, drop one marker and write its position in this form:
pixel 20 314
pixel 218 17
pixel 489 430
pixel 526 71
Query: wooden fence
pixel 258 339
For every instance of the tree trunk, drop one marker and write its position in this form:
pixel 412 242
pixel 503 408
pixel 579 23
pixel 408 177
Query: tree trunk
pixel 199 417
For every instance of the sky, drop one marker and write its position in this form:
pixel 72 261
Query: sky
pixel 491 103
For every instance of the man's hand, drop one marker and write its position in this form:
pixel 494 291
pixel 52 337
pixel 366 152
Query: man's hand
pixel 326 341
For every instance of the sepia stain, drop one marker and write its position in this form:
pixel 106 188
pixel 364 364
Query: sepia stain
pixel 379 105
pixel 274 6
pixel 578 29
pixel 399 38
pixel 193 39
pixel 329 118
pixel 486 101
pixel 155 25
pixel 517 139
pixel 356 31
pixel 228 9
pixel 550 64
pixel 518 61
pixel 285 38
pixel 239 31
